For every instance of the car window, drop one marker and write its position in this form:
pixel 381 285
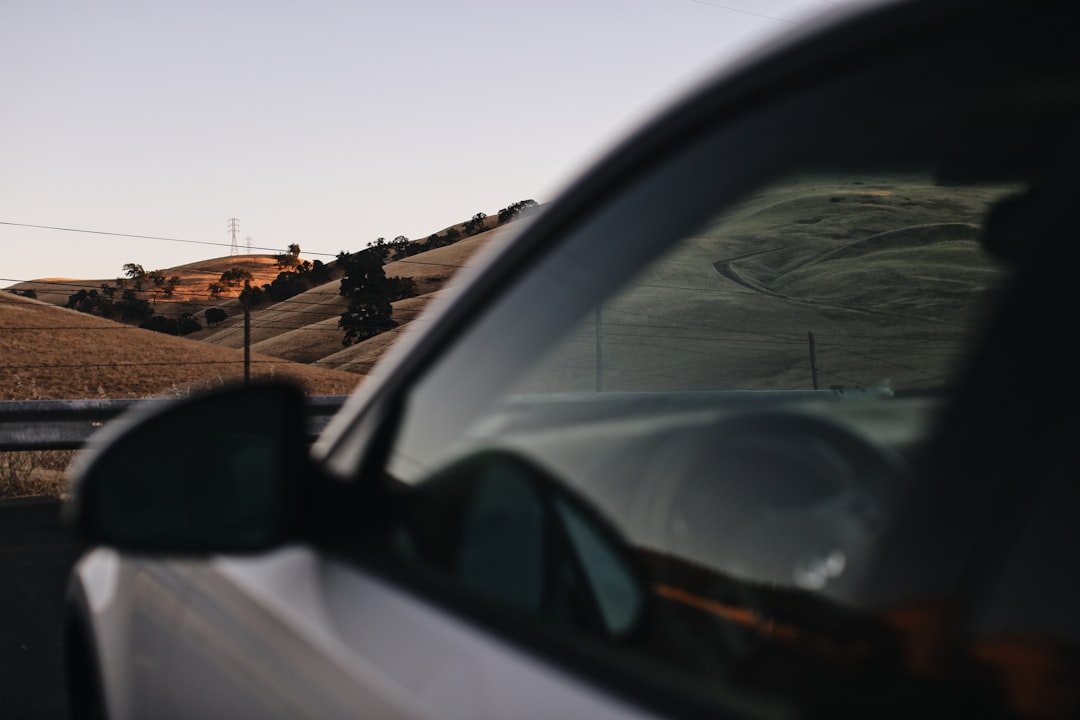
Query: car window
pixel 850 283
pixel 738 358
pixel 754 398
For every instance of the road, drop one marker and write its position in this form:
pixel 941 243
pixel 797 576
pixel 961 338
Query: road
pixel 36 553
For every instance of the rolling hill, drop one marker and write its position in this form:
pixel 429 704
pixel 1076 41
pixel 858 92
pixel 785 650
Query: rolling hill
pixel 48 351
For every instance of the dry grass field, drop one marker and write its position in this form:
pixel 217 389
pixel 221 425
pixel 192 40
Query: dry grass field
pixel 48 352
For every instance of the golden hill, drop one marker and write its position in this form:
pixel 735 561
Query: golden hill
pixel 192 295
pixel 304 327
pixel 48 352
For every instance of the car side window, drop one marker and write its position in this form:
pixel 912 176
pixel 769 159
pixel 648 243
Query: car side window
pixel 852 283
pixel 752 399
pixel 746 410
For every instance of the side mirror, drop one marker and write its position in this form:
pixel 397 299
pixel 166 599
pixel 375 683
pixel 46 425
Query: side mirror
pixel 215 473
pixel 507 531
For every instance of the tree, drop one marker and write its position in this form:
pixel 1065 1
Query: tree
pixel 132 308
pixel 514 210
pixel 235 276
pixel 187 323
pixel 304 276
pixel 157 277
pixel 136 273
pixel 214 316
pixel 290 259
pixel 369 292
pixel 378 248
pixel 184 325
pixel 161 324
pixel 402 247
pixel 215 289
pixel 91 302
pixel 251 295
pixel 475 225
pixel 170 286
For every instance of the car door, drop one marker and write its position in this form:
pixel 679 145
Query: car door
pixel 734 346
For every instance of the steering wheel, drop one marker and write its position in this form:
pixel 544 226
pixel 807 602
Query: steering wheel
pixel 777 497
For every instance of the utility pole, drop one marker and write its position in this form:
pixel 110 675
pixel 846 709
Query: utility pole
pixel 245 296
pixel 599 357
pixel 234 227
pixel 813 358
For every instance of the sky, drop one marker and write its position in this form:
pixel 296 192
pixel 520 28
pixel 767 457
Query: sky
pixel 326 123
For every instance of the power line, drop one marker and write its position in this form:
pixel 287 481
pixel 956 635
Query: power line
pixel 150 237
pixel 745 12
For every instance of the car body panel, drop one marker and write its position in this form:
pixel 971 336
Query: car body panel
pixel 292 634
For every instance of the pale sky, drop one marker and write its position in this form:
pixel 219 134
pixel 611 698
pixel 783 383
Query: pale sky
pixel 327 123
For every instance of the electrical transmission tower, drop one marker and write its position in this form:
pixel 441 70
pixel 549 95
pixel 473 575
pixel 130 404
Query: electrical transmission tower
pixel 234 227
pixel 248 240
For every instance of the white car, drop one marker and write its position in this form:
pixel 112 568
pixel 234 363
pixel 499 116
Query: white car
pixel 772 414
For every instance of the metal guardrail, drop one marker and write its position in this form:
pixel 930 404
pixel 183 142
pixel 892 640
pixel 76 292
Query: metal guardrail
pixel 66 424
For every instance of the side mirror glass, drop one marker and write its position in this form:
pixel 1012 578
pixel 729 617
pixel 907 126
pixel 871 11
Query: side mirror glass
pixel 508 531
pixel 216 473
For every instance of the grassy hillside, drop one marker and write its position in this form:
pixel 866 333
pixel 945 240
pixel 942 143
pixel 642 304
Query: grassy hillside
pixel 48 352
pixel 190 296
pixel 304 327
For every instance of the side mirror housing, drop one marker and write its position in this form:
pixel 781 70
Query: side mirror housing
pixel 222 472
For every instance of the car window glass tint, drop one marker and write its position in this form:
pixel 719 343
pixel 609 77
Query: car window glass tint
pixel 746 410
pixel 856 284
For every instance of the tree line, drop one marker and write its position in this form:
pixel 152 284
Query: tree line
pixel 370 292
pixel 363 282
pixel 129 307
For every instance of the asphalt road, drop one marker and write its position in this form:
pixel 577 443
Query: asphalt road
pixel 36 553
